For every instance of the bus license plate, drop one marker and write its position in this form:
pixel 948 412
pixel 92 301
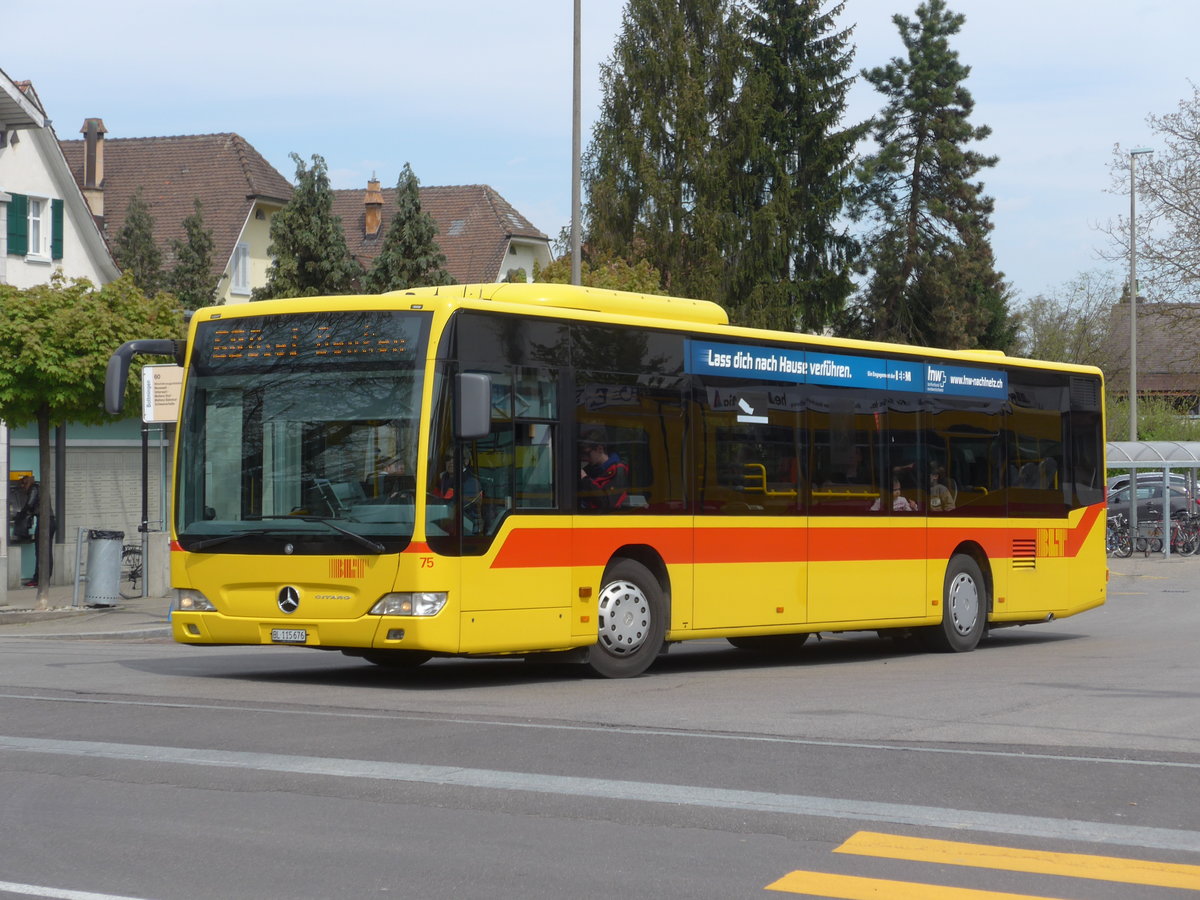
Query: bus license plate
pixel 289 635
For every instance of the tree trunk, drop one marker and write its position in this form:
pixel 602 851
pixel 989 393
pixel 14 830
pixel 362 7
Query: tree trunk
pixel 45 529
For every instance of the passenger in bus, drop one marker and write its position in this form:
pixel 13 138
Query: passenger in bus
pixel 941 498
pixel 603 476
pixel 900 503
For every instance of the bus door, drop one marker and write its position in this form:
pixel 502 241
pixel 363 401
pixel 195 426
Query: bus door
pixel 870 498
pixel 492 503
pixel 751 535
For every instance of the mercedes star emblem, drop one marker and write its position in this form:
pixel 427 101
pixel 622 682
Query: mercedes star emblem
pixel 289 599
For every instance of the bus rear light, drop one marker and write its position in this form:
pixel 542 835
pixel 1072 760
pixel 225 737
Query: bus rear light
pixel 193 601
pixel 415 603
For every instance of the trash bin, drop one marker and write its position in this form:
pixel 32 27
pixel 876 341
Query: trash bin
pixel 103 568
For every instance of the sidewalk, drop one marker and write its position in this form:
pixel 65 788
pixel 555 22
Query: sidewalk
pixel 143 617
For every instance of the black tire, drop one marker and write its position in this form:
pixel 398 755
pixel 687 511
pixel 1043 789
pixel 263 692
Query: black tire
pixel 393 659
pixel 964 608
pixel 773 644
pixel 632 621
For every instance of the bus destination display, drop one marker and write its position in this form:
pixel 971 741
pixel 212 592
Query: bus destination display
pixel 311 338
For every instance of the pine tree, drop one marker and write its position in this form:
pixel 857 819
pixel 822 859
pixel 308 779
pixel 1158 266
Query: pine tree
pixel 793 268
pixel 309 248
pixel 192 280
pixel 134 249
pixel 410 256
pixel 933 279
pixel 656 171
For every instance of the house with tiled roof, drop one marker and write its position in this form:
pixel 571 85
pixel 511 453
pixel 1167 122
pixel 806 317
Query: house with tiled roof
pixel 45 226
pixel 482 236
pixel 238 189
pixel 1168 351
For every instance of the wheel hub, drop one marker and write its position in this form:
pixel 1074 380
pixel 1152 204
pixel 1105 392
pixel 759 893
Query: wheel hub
pixel 963 600
pixel 624 617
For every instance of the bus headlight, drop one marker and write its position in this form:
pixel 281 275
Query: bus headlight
pixel 193 601
pixel 414 603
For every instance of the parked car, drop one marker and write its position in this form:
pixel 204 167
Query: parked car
pixel 1150 501
pixel 1145 476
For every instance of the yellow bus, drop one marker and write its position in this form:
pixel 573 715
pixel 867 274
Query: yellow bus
pixel 527 469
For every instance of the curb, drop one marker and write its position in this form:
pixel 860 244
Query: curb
pixel 24 616
pixel 153 631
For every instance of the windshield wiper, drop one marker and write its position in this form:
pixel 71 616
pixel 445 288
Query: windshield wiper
pixel 224 539
pixel 373 546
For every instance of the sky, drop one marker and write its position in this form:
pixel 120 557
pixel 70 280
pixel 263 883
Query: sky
pixel 475 92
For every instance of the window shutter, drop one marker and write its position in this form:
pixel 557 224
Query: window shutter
pixel 18 225
pixel 56 229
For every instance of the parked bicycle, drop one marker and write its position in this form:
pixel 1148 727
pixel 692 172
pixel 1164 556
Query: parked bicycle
pixel 130 585
pixel 1185 534
pixel 1119 540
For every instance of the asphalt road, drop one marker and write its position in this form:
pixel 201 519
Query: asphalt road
pixel 1061 760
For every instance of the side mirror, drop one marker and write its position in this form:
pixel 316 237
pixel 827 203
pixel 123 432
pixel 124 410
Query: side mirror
pixel 118 367
pixel 473 392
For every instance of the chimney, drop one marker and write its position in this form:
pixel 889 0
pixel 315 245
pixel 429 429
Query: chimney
pixel 93 132
pixel 373 201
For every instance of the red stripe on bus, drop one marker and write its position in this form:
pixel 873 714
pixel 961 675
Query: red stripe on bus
pixel 1079 534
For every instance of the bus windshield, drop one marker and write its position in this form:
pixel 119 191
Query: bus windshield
pixel 298 433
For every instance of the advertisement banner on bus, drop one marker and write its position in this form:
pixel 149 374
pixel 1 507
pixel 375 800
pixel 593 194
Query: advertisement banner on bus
pixel 842 370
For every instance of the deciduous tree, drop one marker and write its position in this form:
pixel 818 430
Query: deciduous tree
pixel 1072 323
pixel 1168 205
pixel 55 342
pixel 610 272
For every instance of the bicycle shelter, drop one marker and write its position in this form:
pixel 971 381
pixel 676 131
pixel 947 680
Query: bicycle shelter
pixel 1158 456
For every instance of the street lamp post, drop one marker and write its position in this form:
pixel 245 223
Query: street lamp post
pixel 1133 291
pixel 576 142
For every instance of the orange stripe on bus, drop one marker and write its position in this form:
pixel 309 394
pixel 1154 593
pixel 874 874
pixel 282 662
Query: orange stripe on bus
pixel 533 548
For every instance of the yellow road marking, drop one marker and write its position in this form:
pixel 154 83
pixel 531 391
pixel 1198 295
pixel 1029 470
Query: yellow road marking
pixel 852 887
pixel 983 856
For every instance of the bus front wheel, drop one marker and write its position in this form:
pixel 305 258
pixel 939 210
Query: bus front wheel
pixel 964 608
pixel 394 659
pixel 631 621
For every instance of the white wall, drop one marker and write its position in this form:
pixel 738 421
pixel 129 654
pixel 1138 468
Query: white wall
pixel 35 167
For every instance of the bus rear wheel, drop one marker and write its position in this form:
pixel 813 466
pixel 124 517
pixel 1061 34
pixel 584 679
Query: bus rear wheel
pixel 964 608
pixel 632 621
